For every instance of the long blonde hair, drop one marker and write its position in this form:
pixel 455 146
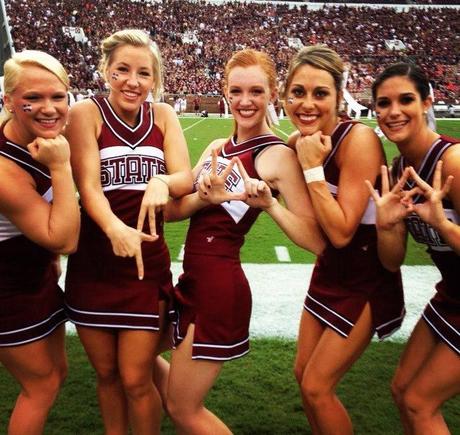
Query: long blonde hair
pixel 18 62
pixel 136 38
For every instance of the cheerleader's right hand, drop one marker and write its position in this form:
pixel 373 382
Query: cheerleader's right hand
pixel 390 207
pixel 127 241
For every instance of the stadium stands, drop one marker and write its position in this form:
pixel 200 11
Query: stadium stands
pixel 196 38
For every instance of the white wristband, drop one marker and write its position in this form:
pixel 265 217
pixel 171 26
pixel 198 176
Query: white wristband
pixel 314 174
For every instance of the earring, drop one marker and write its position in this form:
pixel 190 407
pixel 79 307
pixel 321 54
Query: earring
pixel 9 109
pixel 425 112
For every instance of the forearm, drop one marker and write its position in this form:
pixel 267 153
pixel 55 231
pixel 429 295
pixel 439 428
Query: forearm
pixel 183 208
pixel 330 215
pixel 64 219
pixel 303 231
pixel 98 208
pixel 450 232
pixel 179 183
pixel 391 246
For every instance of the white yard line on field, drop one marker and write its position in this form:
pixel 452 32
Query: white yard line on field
pixel 282 254
pixel 278 292
pixel 193 125
pixel 281 131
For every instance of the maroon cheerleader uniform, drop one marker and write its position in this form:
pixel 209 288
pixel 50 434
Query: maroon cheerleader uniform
pixel 102 289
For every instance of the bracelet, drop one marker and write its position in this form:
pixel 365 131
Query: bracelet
pixel 161 179
pixel 314 174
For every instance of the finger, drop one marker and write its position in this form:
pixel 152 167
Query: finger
pixel 152 221
pixel 445 189
pixel 148 237
pixel 202 188
pixel 373 192
pixel 326 140
pixel 385 179
pixel 437 177
pixel 241 168
pixel 399 185
pixel 139 264
pixel 206 181
pixel 262 186
pixel 214 162
pixel 421 183
pixel 141 218
pixel 228 170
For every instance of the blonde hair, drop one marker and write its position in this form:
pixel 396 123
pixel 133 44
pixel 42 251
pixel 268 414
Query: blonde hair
pixel 318 56
pixel 18 62
pixel 136 38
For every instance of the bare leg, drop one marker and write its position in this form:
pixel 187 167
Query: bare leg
pixel 434 383
pixel 40 367
pixel 418 350
pixel 189 383
pixel 332 358
pixel 135 350
pixel 310 332
pixel 101 346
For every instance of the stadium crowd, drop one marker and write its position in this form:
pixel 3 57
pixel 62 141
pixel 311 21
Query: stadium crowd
pixel 196 38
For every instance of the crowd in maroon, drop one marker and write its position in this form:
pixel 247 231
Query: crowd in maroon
pixel 216 31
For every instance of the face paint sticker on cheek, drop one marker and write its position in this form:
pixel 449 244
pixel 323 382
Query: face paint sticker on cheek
pixel 27 107
pixel 377 115
pixel 114 76
pixel 290 100
pixel 230 99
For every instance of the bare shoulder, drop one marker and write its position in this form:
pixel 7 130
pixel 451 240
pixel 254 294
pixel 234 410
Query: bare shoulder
pixel 85 110
pixel 451 160
pixel 164 109
pixel 13 182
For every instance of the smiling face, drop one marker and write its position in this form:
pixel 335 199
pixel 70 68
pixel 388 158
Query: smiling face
pixel 38 103
pixel 400 109
pixel 248 93
pixel 130 77
pixel 312 100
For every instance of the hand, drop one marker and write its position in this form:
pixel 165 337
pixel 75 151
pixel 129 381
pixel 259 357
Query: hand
pixel 389 206
pixel 52 153
pixel 155 197
pixel 211 186
pixel 126 242
pixel 259 194
pixel 313 150
pixel 431 211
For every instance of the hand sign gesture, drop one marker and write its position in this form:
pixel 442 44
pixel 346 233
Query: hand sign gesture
pixel 313 150
pixel 126 242
pixel 154 200
pixel 211 186
pixel 390 207
pixel 259 194
pixel 431 211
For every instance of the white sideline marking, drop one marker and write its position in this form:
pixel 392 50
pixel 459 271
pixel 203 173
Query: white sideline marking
pixel 278 292
pixel 180 257
pixel 193 125
pixel 282 131
pixel 282 254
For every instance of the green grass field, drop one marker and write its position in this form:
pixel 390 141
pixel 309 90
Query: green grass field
pixel 255 395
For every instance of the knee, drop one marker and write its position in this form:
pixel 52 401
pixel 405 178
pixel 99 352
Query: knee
pixel 313 392
pixel 298 372
pixel 178 411
pixel 414 404
pixel 398 390
pixel 136 385
pixel 107 375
